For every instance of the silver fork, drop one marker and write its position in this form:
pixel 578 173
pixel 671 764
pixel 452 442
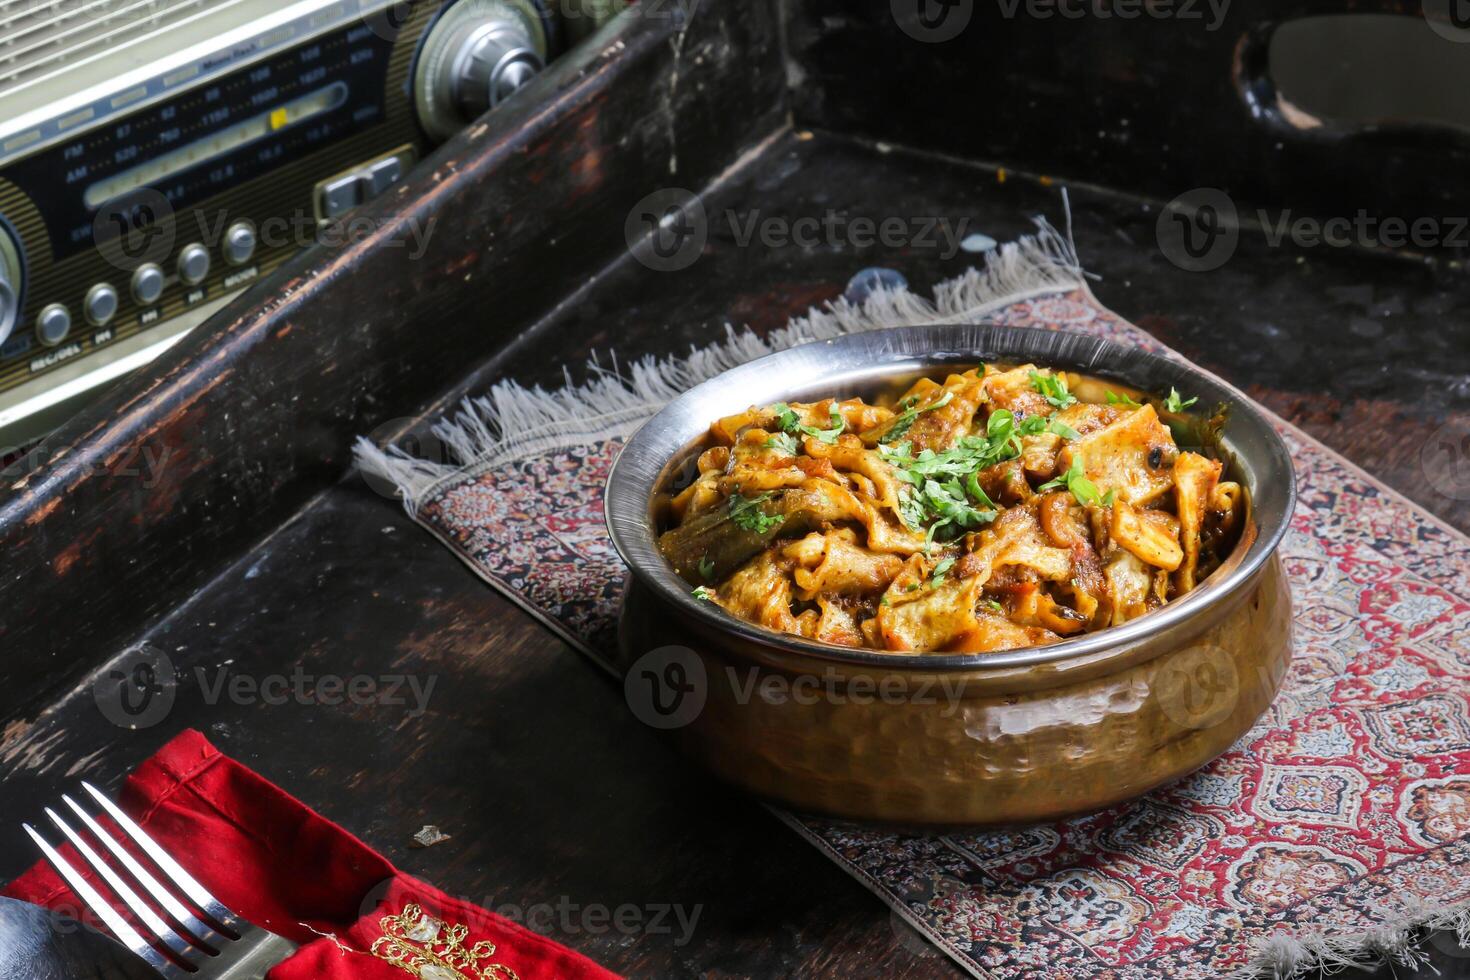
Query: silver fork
pixel 217 946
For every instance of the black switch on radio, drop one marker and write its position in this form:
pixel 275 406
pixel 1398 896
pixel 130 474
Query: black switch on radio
pixel 383 175
pixel 341 195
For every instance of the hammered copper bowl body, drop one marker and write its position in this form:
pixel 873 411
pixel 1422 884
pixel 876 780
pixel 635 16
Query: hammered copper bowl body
pixel 954 739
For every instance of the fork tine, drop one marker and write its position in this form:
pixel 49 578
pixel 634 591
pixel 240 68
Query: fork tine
pixel 181 879
pixel 115 923
pixel 175 908
pixel 120 888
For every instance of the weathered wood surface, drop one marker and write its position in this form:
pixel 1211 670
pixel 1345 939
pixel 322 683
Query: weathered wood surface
pixel 247 418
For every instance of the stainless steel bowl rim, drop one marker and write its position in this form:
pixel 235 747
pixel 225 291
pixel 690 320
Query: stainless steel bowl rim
pixel 866 357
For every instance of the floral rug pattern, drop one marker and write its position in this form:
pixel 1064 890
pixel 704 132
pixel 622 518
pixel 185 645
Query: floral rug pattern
pixel 1345 808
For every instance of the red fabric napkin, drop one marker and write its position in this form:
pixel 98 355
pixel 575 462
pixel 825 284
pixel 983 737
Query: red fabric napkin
pixel 274 861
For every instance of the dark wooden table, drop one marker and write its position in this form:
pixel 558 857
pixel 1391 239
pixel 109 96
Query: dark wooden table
pixel 557 799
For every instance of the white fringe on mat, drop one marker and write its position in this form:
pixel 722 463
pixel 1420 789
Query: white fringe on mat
pixel 1399 942
pixel 513 420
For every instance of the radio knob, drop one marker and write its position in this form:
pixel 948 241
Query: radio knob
pixel 147 284
pixel 239 244
pixel 497 61
pixel 193 264
pixel 10 284
pixel 101 305
pixel 53 324
pixel 479 53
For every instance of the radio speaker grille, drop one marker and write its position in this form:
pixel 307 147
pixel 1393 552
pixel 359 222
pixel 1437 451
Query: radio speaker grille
pixel 38 38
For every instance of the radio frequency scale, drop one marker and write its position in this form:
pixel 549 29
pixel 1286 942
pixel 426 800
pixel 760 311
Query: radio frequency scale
pixel 157 156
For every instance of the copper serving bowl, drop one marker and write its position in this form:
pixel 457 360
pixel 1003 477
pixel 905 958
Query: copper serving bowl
pixel 953 739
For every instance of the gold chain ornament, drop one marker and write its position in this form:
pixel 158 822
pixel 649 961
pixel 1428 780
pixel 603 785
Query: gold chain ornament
pixel 430 949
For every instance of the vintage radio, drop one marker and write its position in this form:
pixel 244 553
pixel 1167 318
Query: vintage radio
pixel 158 156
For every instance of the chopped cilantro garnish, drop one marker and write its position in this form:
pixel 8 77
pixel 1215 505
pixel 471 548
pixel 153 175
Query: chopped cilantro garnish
pixel 792 425
pixel 1032 425
pixel 1084 490
pixel 1000 425
pixel 936 577
pixel 1054 387
pixel 944 490
pixel 1116 399
pixel 1061 481
pixel 909 414
pixel 1075 480
pixel 884 601
pixel 706 569
pixel 1005 438
pixel 1035 425
pixel 912 587
pixel 948 502
pixel 1109 497
pixel 828 435
pixel 996 606
pixel 1175 404
pixel 704 592
pixel 976 491
pixel 747 514
pixel 783 442
pixel 911 508
pixel 973 453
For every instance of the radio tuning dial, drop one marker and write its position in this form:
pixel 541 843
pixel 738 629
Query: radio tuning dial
pixel 476 56
pixel 10 284
pixel 496 61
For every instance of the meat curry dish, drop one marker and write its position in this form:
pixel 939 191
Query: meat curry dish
pixel 999 508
